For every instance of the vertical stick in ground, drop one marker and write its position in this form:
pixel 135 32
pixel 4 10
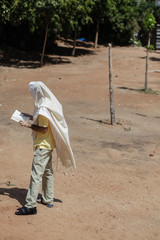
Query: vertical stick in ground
pixel 147 61
pixel 111 92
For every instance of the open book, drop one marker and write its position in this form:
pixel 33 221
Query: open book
pixel 18 116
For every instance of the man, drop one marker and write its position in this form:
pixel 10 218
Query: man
pixel 49 131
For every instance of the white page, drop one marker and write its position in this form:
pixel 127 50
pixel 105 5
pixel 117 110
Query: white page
pixel 18 116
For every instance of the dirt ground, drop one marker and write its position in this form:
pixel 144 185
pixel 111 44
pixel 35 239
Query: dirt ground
pixel 114 192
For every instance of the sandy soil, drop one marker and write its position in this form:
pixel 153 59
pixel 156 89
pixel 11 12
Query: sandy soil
pixel 114 193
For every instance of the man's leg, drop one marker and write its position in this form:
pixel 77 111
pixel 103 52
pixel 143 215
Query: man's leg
pixel 40 160
pixel 48 183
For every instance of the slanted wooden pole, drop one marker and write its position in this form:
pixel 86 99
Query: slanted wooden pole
pixel 44 45
pixel 111 92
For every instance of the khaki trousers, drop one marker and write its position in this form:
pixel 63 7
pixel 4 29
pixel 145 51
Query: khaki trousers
pixel 42 172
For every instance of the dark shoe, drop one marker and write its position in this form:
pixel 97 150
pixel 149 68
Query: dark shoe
pixel 26 211
pixel 40 200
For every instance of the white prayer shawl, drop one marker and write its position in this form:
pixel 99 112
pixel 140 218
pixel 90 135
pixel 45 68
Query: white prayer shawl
pixel 47 105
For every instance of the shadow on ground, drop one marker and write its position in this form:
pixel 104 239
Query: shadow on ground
pixel 19 194
pixel 155 59
pixel 126 88
pixel 79 43
pixel 10 57
pixel 16 193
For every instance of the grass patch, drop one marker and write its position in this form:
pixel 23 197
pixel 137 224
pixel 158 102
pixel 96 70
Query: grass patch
pixel 9 183
pixel 148 91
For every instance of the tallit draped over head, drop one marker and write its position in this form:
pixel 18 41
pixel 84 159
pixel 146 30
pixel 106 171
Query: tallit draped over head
pixel 47 105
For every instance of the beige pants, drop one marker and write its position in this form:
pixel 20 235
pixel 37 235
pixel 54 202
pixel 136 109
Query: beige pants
pixel 41 172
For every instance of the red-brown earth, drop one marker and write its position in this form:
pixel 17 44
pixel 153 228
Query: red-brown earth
pixel 114 194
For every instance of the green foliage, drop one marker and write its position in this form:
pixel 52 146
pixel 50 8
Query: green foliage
pixel 36 13
pixel 22 11
pixel 149 22
pixel 151 47
pixel 5 11
pixel 76 13
pixel 143 10
pixel 47 10
pixel 121 15
pixel 31 16
pixel 9 183
pixel 118 20
pixel 99 11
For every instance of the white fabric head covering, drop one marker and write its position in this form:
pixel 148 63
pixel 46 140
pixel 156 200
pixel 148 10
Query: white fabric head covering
pixel 47 105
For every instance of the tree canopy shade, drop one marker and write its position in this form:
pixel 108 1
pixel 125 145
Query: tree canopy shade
pixel 24 23
pixel 34 15
pixel 47 13
pixel 76 13
pixel 35 12
pixel 99 12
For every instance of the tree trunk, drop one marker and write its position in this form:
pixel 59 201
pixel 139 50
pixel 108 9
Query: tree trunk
pixel 74 44
pixel 97 33
pixel 112 110
pixel 44 45
pixel 147 60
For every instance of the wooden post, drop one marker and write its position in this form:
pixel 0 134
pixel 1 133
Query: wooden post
pixel 111 92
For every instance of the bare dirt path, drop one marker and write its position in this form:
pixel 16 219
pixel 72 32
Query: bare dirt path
pixel 114 193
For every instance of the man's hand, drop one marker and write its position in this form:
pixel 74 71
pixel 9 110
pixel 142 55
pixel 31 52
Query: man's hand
pixel 25 124
pixel 33 127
